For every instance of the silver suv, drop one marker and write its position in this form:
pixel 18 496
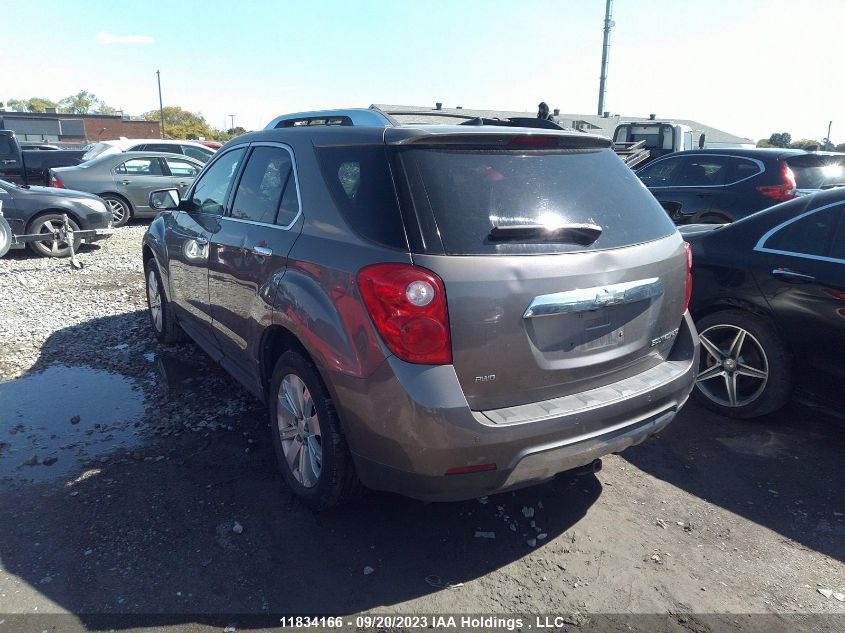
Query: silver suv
pixel 443 311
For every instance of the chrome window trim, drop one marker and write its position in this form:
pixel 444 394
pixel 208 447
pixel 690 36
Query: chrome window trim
pixel 727 184
pixel 760 247
pixel 289 150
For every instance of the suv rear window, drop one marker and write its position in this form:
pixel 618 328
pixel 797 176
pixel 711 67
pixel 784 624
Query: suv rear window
pixel 461 194
pixel 815 171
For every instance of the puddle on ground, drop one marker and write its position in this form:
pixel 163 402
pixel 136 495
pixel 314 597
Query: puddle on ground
pixel 52 421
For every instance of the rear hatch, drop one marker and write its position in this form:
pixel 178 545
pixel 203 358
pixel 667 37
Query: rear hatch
pixel 562 272
pixel 817 171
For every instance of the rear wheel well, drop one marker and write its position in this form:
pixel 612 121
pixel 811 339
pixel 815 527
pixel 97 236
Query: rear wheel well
pixel 744 307
pixel 117 195
pixel 719 218
pixel 276 341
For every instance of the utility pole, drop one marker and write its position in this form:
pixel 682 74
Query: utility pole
pixel 829 125
pixel 605 51
pixel 160 107
pixel 232 117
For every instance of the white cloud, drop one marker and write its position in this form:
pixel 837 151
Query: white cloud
pixel 104 37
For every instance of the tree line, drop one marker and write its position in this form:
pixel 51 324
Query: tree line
pixel 784 139
pixel 178 123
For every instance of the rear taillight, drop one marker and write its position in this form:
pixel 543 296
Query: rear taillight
pixel 785 190
pixel 688 288
pixel 55 181
pixel 407 304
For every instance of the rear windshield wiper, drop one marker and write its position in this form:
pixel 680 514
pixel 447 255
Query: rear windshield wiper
pixel 583 234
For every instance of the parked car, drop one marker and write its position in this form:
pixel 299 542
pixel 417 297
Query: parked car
pixel 514 308
pixel 212 144
pixel 723 185
pixel 769 303
pixel 195 149
pixel 34 210
pixel 125 180
pixel 31 166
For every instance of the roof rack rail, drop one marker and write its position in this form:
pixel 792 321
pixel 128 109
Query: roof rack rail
pixel 470 119
pixel 352 116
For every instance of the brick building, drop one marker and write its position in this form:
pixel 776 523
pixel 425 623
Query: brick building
pixel 52 127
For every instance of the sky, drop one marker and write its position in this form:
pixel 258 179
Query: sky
pixel 749 67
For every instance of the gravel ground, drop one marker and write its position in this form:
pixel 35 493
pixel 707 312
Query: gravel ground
pixel 140 479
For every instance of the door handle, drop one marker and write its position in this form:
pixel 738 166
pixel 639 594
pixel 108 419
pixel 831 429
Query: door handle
pixel 791 275
pixel 261 251
pixel 126 182
pixel 183 184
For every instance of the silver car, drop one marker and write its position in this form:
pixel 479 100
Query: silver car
pixel 125 180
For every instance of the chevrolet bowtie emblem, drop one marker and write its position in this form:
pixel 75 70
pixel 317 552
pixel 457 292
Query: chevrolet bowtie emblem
pixel 606 298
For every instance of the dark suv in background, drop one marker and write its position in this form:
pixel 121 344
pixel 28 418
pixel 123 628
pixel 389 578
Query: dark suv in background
pixel 444 311
pixel 723 185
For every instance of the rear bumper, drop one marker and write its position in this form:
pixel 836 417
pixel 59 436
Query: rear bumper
pixel 407 425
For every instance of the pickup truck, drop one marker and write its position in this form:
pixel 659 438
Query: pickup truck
pixel 639 142
pixel 31 166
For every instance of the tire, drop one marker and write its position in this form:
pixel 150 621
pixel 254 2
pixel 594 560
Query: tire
pixel 164 324
pixel 120 208
pixel 5 236
pixel 322 474
pixel 49 248
pixel 715 218
pixel 756 363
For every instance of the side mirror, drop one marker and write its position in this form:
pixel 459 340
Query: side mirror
pixel 164 199
pixel 701 142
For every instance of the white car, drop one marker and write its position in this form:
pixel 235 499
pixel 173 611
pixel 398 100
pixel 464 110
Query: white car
pixel 193 149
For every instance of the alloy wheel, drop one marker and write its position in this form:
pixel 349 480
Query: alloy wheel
pixel 734 370
pixel 118 210
pixel 299 430
pixel 53 245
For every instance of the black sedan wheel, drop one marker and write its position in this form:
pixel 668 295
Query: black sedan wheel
pixel 52 247
pixel 121 213
pixel 744 367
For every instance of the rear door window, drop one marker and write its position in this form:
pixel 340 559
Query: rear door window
pixel 267 175
pixel 141 167
pixel 810 234
pixel 700 171
pixel 460 195
pixel 182 168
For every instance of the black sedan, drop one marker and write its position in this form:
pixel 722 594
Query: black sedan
pixel 34 210
pixel 769 302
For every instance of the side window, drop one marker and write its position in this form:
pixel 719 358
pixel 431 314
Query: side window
pixel 182 168
pixel 140 167
pixel 197 153
pixel 267 177
pixel 209 194
pixel 360 182
pixel 700 171
pixel 743 169
pixel 138 148
pixel 161 147
pixel 810 235
pixel 8 152
pixel 659 173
